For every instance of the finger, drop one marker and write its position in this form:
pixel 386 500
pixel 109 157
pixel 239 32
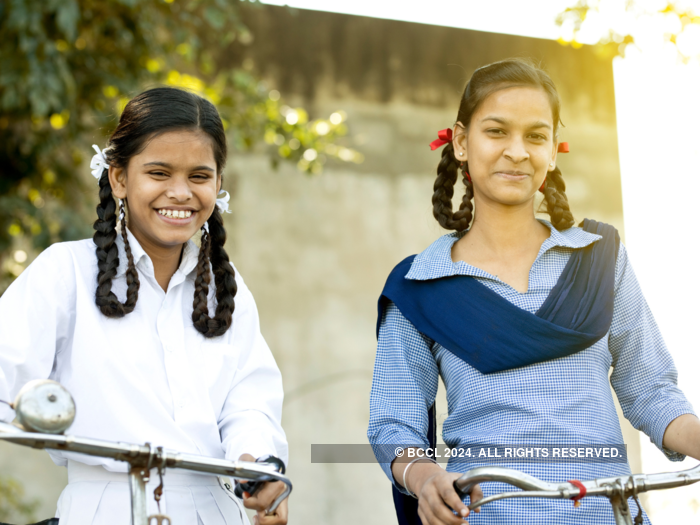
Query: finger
pixel 444 515
pixel 429 517
pixel 269 519
pixel 423 518
pixel 279 517
pixel 437 508
pixel 476 495
pixel 264 498
pixel 452 499
pixel 249 503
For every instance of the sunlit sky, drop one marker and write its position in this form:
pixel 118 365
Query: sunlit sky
pixel 479 15
pixel 527 18
pixel 658 111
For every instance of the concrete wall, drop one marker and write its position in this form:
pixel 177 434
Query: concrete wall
pixel 315 250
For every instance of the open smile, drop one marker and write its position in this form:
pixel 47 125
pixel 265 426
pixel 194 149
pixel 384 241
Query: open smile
pixel 176 216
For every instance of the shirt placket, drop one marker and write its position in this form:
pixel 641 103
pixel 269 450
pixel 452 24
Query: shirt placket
pixel 171 333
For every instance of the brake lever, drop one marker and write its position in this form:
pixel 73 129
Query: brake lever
pixel 252 487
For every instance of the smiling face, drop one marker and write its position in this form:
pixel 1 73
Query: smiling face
pixel 509 145
pixel 170 188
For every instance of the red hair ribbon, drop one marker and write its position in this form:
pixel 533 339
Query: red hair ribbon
pixel 444 137
pixel 580 486
pixel 563 147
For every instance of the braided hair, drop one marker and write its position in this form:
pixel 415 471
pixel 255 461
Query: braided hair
pixel 147 115
pixel 485 81
pixel 212 252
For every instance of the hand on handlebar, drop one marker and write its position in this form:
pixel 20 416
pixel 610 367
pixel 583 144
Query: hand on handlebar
pixel 263 499
pixel 437 497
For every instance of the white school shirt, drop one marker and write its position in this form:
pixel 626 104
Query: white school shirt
pixel 149 376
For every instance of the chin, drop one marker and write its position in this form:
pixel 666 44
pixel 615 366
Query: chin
pixel 513 197
pixel 173 238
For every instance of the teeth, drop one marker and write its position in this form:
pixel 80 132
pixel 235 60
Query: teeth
pixel 175 214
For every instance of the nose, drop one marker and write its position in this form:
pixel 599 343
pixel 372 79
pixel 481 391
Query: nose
pixel 179 189
pixel 515 151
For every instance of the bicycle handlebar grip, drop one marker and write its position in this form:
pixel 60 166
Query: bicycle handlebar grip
pixel 458 490
pixel 465 490
pixel 251 487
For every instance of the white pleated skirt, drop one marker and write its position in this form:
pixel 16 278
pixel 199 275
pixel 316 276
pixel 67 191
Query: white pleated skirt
pixel 95 496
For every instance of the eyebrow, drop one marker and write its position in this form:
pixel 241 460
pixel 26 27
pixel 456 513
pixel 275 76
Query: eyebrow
pixel 170 166
pixel 538 124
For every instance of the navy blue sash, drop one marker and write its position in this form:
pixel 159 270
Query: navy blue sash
pixel 492 335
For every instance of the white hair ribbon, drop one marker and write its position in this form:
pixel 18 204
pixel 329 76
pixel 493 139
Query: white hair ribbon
pixel 99 162
pixel 222 202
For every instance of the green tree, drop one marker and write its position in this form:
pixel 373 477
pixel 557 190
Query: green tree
pixel 67 67
pixel 613 25
pixel 13 506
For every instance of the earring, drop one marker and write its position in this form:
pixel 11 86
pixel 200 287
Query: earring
pixel 461 153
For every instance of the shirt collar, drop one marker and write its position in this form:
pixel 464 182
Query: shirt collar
pixel 142 261
pixel 436 260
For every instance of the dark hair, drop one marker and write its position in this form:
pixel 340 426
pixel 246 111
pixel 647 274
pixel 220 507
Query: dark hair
pixel 485 81
pixel 147 115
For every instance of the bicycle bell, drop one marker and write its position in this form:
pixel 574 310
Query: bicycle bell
pixel 44 406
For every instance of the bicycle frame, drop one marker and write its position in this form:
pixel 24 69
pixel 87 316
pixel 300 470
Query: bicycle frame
pixel 143 458
pixel 616 489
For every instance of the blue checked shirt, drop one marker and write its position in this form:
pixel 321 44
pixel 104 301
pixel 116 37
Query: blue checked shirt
pixel 561 401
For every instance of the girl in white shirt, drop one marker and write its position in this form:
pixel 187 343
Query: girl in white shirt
pixel 123 322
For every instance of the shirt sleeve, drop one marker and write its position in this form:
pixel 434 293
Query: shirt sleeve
pixel 250 421
pixel 644 376
pixel 404 387
pixel 35 322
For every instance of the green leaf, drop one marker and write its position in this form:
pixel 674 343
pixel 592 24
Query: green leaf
pixel 67 19
pixel 215 17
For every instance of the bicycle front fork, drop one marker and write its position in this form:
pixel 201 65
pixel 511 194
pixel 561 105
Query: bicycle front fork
pixel 137 486
pixel 621 510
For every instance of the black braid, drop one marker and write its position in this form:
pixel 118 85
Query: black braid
pixel 108 256
pixel 212 247
pixel 464 215
pixel 200 308
pixel 132 275
pixel 447 173
pixel 556 201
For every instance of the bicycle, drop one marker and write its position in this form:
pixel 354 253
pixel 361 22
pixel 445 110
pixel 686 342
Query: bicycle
pixel 617 489
pixel 45 410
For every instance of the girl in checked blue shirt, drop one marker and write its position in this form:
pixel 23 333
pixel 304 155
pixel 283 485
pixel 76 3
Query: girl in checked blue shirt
pixel 522 318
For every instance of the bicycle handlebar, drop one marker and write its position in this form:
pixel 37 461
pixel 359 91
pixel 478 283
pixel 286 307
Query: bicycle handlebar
pixel 626 485
pixel 147 457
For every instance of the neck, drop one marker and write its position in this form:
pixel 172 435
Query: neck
pixel 504 229
pixel 165 259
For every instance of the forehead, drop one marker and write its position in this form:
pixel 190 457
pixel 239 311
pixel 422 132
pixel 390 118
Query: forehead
pixel 517 104
pixel 179 148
